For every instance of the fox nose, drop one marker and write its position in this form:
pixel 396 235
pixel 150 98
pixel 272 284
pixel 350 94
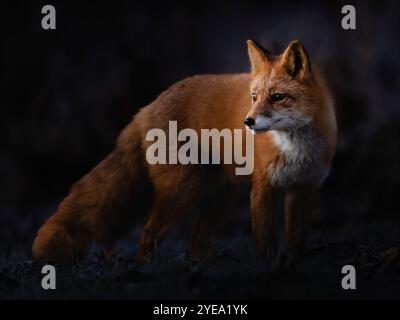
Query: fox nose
pixel 249 122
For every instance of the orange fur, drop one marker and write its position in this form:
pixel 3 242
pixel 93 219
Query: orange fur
pixel 94 209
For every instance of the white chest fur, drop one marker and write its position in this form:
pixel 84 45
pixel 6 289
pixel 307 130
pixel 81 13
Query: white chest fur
pixel 301 153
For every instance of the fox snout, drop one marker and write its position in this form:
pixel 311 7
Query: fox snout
pixel 258 119
pixel 249 122
pixel 279 120
pixel 258 123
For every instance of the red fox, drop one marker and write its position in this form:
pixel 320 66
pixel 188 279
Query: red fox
pixel 283 101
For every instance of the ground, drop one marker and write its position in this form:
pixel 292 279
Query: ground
pixel 233 272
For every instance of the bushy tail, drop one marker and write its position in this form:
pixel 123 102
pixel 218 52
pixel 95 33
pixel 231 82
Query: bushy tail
pixel 92 210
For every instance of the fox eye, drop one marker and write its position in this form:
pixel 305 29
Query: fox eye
pixel 253 96
pixel 278 96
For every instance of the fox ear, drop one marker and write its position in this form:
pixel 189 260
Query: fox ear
pixel 259 57
pixel 296 62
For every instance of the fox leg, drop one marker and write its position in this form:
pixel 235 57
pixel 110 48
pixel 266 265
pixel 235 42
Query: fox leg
pixel 200 243
pixel 264 204
pixel 212 213
pixel 297 210
pixel 173 201
pixel 164 215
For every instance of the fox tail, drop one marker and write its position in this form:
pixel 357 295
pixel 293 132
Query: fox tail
pixel 93 209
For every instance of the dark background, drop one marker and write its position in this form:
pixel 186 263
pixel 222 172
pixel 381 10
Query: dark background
pixel 67 93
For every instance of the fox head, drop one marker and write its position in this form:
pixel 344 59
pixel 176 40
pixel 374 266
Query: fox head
pixel 282 89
